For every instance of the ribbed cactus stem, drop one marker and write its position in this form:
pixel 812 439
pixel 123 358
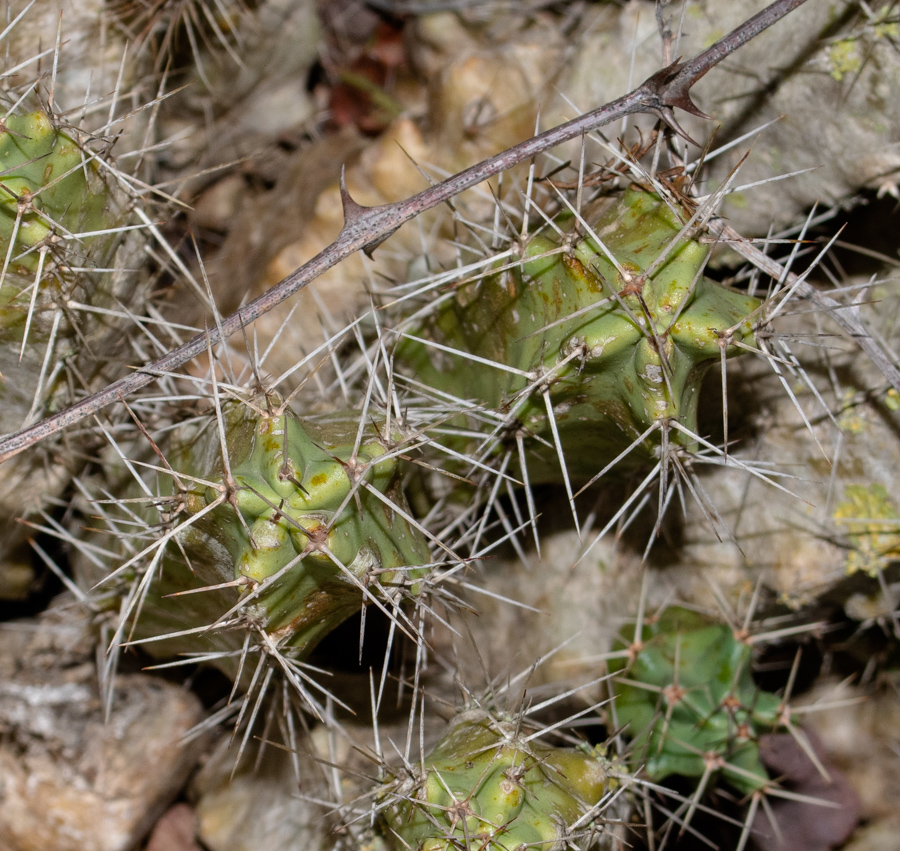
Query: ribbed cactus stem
pixel 488 785
pixel 298 530
pixel 619 345
pixel 687 699
pixel 48 186
pixel 63 313
pixel 54 204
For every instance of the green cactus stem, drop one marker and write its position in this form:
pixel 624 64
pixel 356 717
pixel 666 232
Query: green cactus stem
pixel 58 219
pixel 487 786
pixel 54 202
pixel 48 186
pixel 610 373
pixel 295 534
pixel 687 699
pixel 62 311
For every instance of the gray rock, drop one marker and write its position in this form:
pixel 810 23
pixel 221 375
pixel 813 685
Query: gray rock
pixel 259 805
pixel 71 780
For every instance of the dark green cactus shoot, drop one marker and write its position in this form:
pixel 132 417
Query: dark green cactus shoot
pixel 641 334
pixel 291 537
pixel 687 699
pixel 487 786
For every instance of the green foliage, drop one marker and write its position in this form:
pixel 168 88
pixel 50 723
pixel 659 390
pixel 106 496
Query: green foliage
pixel 689 703
pixel 617 346
pixel 487 786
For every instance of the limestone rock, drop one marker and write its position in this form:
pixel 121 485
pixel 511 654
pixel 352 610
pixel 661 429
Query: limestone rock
pixel 69 779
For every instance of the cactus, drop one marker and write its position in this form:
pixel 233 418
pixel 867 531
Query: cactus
pixel 488 785
pixel 254 531
pixel 687 699
pixel 56 212
pixel 66 286
pixel 50 187
pixel 645 325
pixel 297 530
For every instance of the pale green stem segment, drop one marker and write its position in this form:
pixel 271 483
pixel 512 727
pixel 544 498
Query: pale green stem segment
pixel 58 317
pixel 639 355
pixel 291 526
pixel 50 191
pixel 486 786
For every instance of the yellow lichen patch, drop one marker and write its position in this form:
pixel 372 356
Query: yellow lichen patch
pixel 843 58
pixel 872 525
pixel 884 26
pixel 852 418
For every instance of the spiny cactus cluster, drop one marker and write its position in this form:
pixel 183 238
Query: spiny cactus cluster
pixel 256 532
pixel 236 519
pixel 296 523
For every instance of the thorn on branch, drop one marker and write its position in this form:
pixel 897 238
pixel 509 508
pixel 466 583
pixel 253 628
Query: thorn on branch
pixel 670 89
pixel 355 216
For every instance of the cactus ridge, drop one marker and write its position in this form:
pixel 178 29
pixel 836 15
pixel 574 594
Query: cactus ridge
pixel 302 525
pixel 599 341
pixel 488 785
pixel 72 280
pixel 687 697
pixel 57 212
